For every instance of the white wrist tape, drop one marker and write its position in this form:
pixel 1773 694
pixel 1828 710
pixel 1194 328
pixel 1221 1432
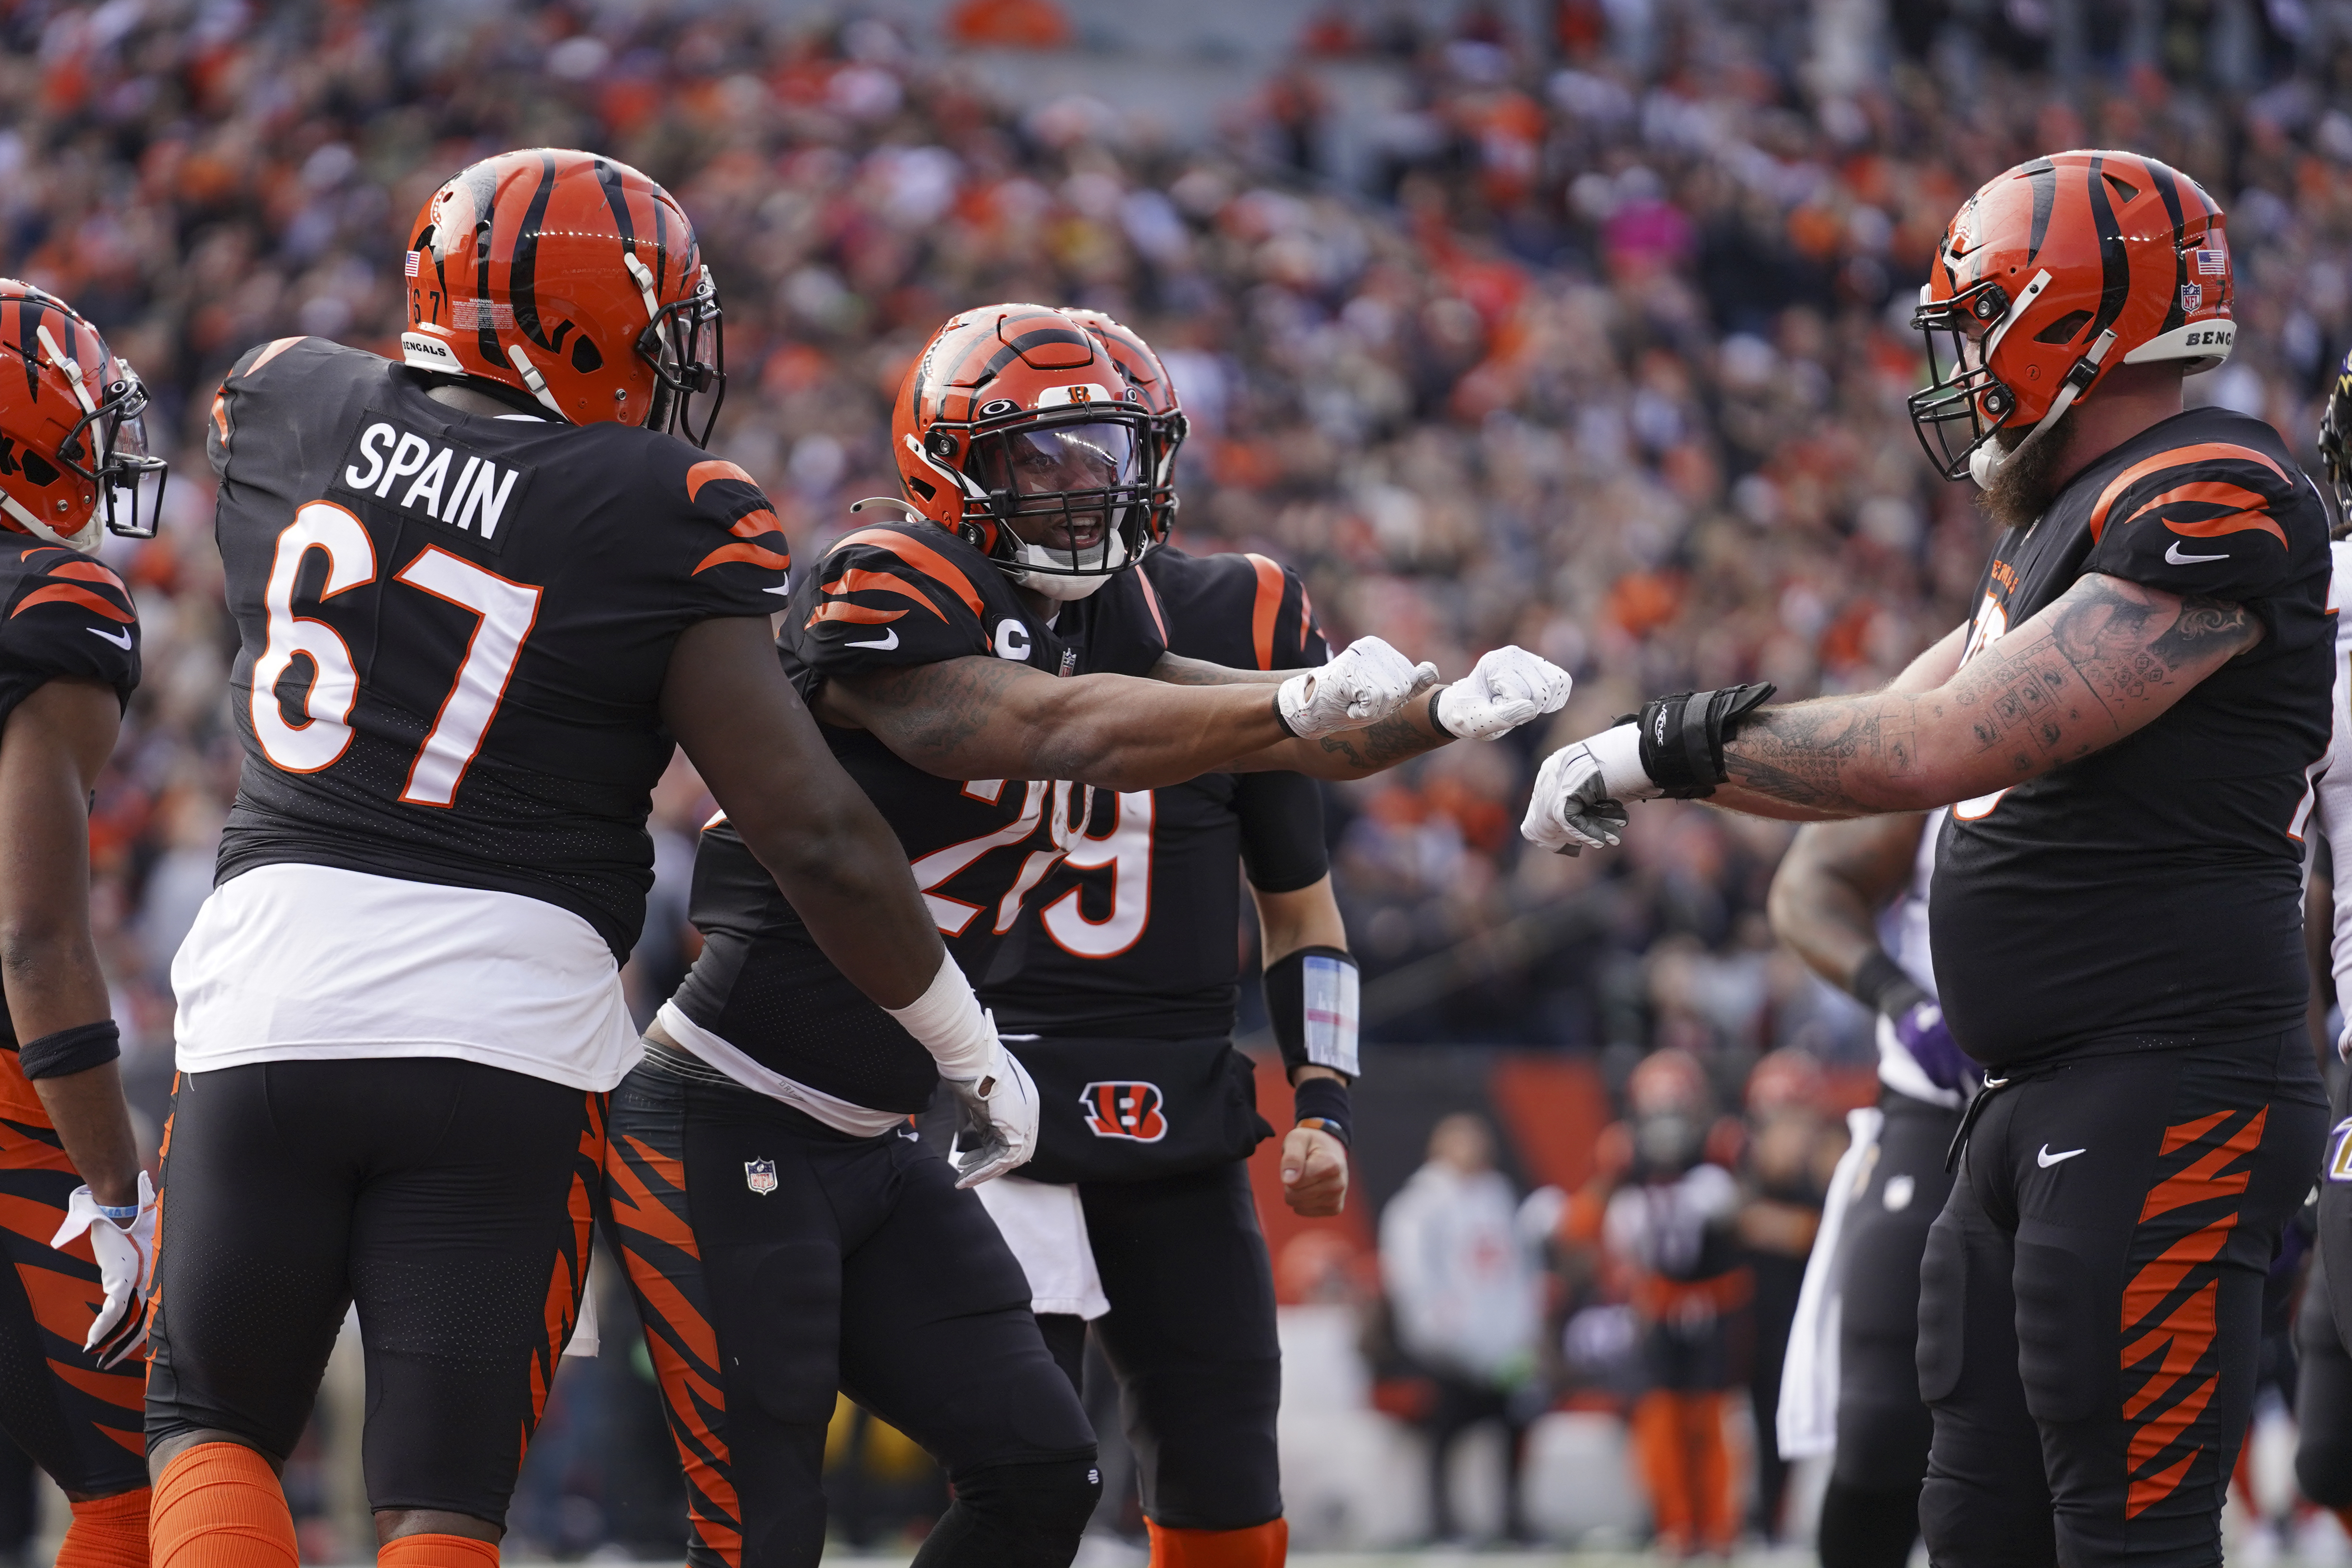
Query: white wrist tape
pixel 1619 752
pixel 947 1019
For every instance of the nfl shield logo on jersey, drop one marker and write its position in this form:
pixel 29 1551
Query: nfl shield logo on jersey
pixel 760 1176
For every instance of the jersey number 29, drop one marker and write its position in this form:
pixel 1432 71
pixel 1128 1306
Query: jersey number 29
pixel 506 610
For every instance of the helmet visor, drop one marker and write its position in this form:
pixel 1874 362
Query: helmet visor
pixel 1077 491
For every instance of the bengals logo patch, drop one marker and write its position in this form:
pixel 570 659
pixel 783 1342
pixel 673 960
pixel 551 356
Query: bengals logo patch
pixel 1124 1111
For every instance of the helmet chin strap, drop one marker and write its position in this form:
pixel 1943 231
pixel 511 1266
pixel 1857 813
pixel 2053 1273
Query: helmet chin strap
pixel 1064 585
pixel 87 541
pixel 1987 460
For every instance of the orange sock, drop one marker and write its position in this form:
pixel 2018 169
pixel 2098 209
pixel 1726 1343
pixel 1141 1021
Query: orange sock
pixel 220 1506
pixel 428 1550
pixel 107 1532
pixel 1264 1545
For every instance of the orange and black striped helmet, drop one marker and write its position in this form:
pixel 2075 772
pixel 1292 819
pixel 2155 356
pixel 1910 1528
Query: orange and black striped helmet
pixel 1152 382
pixel 73 427
pixel 1016 429
pixel 573 279
pixel 2050 277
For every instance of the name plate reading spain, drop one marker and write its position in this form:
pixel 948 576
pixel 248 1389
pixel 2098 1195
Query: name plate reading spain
pixel 433 477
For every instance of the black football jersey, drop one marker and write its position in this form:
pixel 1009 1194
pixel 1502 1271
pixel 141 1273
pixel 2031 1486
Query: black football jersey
pixel 455 628
pixel 2151 893
pixel 1137 931
pixel 891 595
pixel 62 616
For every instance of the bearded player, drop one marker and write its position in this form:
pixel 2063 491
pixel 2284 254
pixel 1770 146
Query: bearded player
pixel 481 593
pixel 2123 730
pixel 978 668
pixel 1137 1203
pixel 81 1222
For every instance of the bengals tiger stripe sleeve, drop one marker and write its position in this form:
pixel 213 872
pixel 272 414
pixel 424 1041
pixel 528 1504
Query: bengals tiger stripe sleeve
pixel 2203 518
pixel 68 616
pixel 892 595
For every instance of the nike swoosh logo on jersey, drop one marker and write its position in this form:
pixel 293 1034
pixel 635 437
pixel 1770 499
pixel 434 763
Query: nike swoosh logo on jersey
pixel 889 639
pixel 119 639
pixel 2045 1159
pixel 785 591
pixel 2174 556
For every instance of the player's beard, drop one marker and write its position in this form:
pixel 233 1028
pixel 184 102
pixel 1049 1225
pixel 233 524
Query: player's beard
pixel 2028 482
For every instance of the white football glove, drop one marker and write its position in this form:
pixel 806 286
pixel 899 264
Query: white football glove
pixel 1000 1114
pixel 1576 804
pixel 1366 683
pixel 1509 687
pixel 126 1269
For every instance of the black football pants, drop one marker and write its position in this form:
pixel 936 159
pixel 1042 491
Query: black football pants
pixel 449 1199
pixel 777 1262
pixel 2090 1304
pixel 1191 1335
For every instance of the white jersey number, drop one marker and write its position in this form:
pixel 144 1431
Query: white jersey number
pixel 507 610
pixel 1126 849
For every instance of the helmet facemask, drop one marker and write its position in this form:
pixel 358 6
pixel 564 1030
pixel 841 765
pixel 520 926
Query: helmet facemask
pixel 1073 498
pixel 1963 405
pixel 674 343
pixel 108 450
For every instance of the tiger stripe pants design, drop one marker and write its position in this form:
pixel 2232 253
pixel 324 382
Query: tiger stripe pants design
pixel 2090 1305
pixel 448 1201
pixel 79 1422
pixel 777 1262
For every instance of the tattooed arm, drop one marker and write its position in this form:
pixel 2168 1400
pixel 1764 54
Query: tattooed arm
pixel 2105 659
pixel 978 717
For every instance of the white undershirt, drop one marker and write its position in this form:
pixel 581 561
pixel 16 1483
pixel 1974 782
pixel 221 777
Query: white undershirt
pixel 309 963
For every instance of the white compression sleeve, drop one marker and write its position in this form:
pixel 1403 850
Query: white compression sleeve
pixel 947 1019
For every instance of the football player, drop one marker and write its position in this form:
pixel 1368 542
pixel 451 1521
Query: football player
pixel 1852 899
pixel 977 668
pixel 82 1220
pixel 2122 730
pixel 480 593
pixel 1137 1203
pixel 2323 1460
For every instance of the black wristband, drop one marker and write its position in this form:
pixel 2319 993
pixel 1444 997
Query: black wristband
pixel 75 1050
pixel 1682 736
pixel 1321 1103
pixel 1280 722
pixel 1881 983
pixel 1310 1003
pixel 1436 723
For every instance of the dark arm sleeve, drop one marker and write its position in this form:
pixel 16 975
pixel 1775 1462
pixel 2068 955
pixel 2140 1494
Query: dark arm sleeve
pixel 1282 831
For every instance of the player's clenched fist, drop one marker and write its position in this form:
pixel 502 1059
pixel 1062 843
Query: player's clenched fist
pixel 1366 683
pixel 1507 688
pixel 1314 1173
pixel 1574 807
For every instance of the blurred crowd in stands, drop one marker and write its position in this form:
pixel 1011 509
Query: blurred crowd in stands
pixel 1601 352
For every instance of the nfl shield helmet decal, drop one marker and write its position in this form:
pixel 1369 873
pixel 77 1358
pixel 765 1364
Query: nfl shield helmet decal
pixel 760 1176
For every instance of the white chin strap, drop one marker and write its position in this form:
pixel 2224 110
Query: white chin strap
pixel 87 541
pixel 1060 584
pixel 1987 460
